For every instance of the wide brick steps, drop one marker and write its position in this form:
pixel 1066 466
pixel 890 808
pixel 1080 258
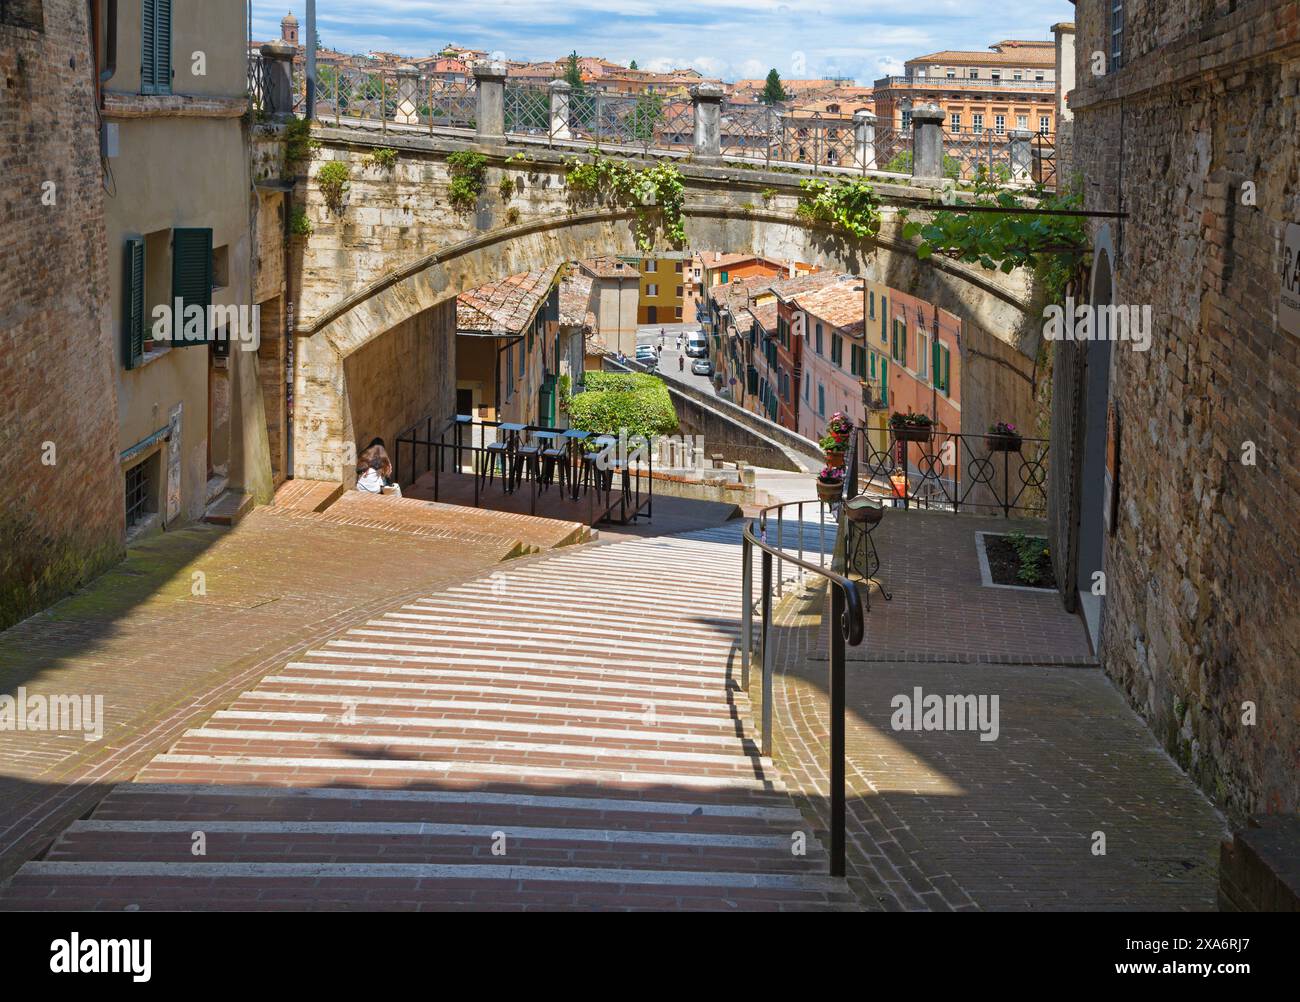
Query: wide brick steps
pixel 564 734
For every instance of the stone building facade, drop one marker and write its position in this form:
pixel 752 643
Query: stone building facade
pixel 60 500
pixel 1186 118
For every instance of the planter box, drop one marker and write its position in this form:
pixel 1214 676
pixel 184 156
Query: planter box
pixel 912 434
pixel 835 460
pixel 1004 443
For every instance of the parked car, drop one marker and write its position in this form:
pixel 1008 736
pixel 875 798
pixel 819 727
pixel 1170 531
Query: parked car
pixel 702 367
pixel 697 346
pixel 646 356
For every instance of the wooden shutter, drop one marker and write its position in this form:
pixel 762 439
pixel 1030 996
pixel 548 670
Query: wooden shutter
pixel 156 47
pixel 191 280
pixel 936 364
pixel 133 301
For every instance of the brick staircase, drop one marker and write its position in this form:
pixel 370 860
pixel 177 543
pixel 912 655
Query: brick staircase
pixel 562 734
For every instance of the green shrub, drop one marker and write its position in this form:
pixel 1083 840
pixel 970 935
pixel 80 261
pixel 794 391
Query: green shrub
pixel 635 403
pixel 299 147
pixel 300 225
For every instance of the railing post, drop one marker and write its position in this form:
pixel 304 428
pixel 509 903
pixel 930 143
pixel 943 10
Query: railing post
pixel 277 79
pixel 864 140
pixel 765 633
pixel 707 99
pixel 490 81
pixel 1022 155
pixel 561 95
pixel 836 626
pixel 406 109
pixel 927 145
pixel 747 610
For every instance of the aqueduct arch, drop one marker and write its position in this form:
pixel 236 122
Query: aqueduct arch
pixel 395 249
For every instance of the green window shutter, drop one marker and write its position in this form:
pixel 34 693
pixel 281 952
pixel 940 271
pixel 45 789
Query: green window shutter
pixel 936 365
pixel 902 344
pixel 884 320
pixel 133 323
pixel 156 47
pixel 947 372
pixel 191 280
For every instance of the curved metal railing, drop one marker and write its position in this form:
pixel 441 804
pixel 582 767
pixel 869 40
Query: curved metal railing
pixel 846 627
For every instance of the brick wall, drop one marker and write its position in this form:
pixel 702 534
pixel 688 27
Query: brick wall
pixel 1201 612
pixel 60 524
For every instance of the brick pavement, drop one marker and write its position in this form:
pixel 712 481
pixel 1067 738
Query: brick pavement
pixel 574 711
pixel 162 656
pixel 938 820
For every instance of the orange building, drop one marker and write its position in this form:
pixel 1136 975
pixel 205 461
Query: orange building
pixel 990 94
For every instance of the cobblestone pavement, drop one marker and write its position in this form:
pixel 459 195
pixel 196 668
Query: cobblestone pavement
pixel 940 820
pixel 164 647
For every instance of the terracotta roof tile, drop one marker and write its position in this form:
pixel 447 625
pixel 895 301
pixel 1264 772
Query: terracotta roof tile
pixel 504 307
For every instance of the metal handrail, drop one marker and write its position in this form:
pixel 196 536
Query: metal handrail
pixel 846 626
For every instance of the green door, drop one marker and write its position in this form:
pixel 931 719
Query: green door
pixel 546 402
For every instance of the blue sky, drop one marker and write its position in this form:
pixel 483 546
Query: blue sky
pixel 863 39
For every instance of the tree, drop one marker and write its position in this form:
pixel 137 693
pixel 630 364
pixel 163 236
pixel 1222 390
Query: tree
pixel 634 66
pixel 572 74
pixel 773 91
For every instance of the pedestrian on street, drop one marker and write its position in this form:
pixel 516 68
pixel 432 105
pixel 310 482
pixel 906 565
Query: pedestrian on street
pixel 681 363
pixel 679 342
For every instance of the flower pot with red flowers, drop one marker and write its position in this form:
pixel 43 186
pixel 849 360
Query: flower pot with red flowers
pixel 1004 437
pixel 830 484
pixel 911 427
pixel 836 440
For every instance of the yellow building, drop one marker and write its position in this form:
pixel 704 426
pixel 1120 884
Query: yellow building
pixel 662 291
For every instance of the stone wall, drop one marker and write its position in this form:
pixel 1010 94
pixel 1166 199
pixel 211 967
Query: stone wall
pixel 405 375
pixel 1195 136
pixel 61 512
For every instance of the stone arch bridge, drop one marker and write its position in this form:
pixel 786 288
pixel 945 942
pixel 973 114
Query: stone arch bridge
pixel 393 251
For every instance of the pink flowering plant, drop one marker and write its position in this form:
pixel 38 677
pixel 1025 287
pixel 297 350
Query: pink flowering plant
pixel 1004 428
pixel 831 475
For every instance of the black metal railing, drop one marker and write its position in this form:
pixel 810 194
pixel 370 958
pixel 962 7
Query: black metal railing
pixel 620 490
pixel 846 627
pixel 953 471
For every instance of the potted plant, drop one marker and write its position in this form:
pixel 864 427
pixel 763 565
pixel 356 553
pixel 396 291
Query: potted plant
pixel 1004 437
pixel 830 484
pixel 834 449
pixel 836 440
pixel 911 427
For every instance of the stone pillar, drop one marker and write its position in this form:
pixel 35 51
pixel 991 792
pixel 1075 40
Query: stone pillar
pixel 1021 145
pixel 277 65
pixel 490 79
pixel 927 145
pixel 408 103
pixel 864 139
pixel 560 93
pixel 707 99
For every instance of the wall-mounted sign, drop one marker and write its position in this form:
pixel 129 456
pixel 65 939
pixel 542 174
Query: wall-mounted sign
pixel 1288 310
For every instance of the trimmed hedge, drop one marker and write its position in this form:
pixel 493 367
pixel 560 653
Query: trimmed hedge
pixel 614 401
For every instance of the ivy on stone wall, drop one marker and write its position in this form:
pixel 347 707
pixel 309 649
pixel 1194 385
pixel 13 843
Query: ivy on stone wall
pixel 334 179
pixel 849 206
pixel 656 192
pixel 468 175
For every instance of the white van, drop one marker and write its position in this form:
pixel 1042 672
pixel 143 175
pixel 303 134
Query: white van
pixel 697 345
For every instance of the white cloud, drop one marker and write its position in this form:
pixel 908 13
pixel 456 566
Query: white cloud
pixel 727 38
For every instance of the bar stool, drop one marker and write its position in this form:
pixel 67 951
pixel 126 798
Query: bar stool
pixel 574 437
pixel 493 453
pixel 554 460
pixel 526 460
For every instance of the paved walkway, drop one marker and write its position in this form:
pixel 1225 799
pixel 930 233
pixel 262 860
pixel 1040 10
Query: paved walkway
pixel 560 733
pixel 188 620
pixel 940 820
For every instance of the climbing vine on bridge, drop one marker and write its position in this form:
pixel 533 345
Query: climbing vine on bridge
pixel 656 192
pixel 1054 247
pixel 850 206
